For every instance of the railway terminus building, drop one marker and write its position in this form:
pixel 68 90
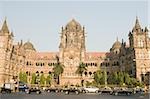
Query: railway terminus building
pixel 133 58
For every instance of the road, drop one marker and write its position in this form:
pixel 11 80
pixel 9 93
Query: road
pixel 71 96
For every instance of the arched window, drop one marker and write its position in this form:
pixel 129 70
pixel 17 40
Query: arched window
pixel 37 72
pixel 95 64
pixel 85 73
pixel 140 43
pixel 49 72
pixel 86 64
pixel 27 63
pixel 90 73
pixel 27 72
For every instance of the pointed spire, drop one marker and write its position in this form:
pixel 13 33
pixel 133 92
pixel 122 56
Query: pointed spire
pixel 146 30
pixel 122 41
pixel 4 28
pixel 12 34
pixel 117 39
pixel 137 24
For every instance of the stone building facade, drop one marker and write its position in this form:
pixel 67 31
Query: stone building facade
pixel 23 57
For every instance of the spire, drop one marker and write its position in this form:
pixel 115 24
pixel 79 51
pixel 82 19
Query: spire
pixel 4 28
pixel 122 41
pixel 12 34
pixel 146 30
pixel 137 24
pixel 117 39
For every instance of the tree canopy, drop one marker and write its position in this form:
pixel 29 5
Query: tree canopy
pixel 81 69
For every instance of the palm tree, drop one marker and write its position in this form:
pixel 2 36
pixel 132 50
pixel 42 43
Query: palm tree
pixel 57 70
pixel 80 70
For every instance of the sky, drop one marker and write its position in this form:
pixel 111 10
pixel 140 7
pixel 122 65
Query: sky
pixel 40 22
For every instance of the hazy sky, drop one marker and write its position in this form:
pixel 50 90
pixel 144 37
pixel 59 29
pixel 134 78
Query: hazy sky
pixel 104 21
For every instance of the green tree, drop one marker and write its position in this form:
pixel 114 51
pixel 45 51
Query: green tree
pixel 120 78
pixel 99 77
pixel 33 80
pixel 58 70
pixel 48 79
pixel 127 79
pixel 113 78
pixel 42 79
pixel 80 70
pixel 23 77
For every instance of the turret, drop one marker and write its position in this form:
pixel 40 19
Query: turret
pixel 137 27
pixel 4 30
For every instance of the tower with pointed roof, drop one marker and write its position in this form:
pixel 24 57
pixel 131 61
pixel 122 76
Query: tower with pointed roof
pixel 6 41
pixel 140 50
pixel 72 46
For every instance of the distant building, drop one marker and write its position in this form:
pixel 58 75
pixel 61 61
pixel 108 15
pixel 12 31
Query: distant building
pixel 23 57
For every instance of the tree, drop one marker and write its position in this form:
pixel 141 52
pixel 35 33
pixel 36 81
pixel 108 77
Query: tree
pixel 127 78
pixel 80 70
pixel 58 69
pixel 48 79
pixel 33 81
pixel 42 79
pixel 113 78
pixel 120 78
pixel 99 77
pixel 23 77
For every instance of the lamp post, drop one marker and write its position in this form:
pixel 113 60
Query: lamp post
pixel 37 79
pixel 105 74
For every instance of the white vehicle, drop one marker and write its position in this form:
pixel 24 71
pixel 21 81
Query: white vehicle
pixel 91 90
pixel 7 88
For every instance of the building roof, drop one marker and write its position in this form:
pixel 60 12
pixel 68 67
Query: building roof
pixel 46 55
pixel 95 55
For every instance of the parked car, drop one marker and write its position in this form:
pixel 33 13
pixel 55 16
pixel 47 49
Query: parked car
pixel 106 90
pixel 23 87
pixel 91 90
pixel 52 89
pixel 7 88
pixel 71 90
pixel 122 91
pixel 34 90
pixel 139 90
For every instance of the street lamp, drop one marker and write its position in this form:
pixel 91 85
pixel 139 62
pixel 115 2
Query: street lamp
pixel 105 73
pixel 37 79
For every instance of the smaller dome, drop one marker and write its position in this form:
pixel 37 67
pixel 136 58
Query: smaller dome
pixel 28 45
pixel 73 24
pixel 116 45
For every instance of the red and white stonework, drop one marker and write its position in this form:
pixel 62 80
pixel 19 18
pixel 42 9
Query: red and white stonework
pixel 133 58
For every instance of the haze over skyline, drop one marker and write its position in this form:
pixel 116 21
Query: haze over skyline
pixel 104 21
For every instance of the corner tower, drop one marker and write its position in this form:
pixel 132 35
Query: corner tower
pixel 140 51
pixel 6 41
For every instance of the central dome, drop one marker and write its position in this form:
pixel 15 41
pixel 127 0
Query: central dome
pixel 73 24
